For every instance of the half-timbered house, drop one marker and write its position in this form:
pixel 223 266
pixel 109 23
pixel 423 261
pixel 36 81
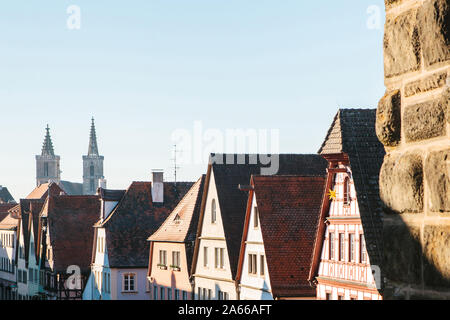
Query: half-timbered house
pixel 348 249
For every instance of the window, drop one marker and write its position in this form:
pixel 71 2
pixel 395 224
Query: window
pixel 213 211
pixel 351 247
pixel 162 258
pixel 255 217
pixel 91 170
pixel 205 294
pixel 205 256
pixel 341 247
pixel 261 265
pixel 129 282
pixel 362 249
pixel 169 293
pixel 331 246
pixel 46 169
pixel 223 295
pixel 209 294
pixel 219 253
pixel 184 295
pixel 340 296
pixel 199 293
pixel 347 191
pixel 176 259
pixel 162 294
pixel 177 294
pixel 328 296
pixel 155 292
pixel 92 185
pixel 252 267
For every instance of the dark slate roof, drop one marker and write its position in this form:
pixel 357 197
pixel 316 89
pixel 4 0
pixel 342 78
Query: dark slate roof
pixel 233 201
pixel 110 195
pixel 70 220
pixel 353 133
pixel 134 219
pixel 289 211
pixel 72 188
pixel 5 196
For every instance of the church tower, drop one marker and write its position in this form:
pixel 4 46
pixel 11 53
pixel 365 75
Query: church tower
pixel 92 166
pixel 47 164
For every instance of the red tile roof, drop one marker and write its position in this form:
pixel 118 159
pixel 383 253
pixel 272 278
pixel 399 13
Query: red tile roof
pixel 41 191
pixel 134 219
pixel 70 220
pixel 289 210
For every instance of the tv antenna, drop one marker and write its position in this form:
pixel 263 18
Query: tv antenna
pixel 175 167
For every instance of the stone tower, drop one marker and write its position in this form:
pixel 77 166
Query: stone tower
pixel 47 164
pixel 413 123
pixel 92 166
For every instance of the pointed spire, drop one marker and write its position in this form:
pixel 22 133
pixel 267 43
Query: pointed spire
pixel 47 148
pixel 93 149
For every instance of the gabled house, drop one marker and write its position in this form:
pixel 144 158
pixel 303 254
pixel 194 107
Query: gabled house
pixel 278 239
pixel 172 248
pixel 120 252
pixel 27 264
pixel 348 250
pixel 65 244
pixel 8 247
pixel 222 216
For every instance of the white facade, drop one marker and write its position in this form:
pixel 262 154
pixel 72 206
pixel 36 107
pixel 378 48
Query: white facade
pixel 33 268
pixel 345 272
pixel 22 270
pixel 213 281
pixel 7 262
pixel 255 285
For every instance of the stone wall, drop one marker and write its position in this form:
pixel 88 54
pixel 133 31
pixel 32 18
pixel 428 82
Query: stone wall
pixel 413 122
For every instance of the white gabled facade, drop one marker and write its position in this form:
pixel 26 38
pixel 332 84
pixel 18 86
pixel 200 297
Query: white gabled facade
pixel 33 268
pixel 213 278
pixel 255 285
pixel 98 286
pixel 22 270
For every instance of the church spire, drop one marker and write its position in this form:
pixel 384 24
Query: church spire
pixel 93 149
pixel 47 148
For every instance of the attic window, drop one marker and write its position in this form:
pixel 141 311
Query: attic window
pixel 347 191
pixel 177 219
pixel 213 211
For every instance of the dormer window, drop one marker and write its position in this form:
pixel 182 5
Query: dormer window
pixel 347 198
pixel 177 219
pixel 213 211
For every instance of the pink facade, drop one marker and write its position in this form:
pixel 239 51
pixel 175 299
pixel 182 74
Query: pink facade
pixel 168 282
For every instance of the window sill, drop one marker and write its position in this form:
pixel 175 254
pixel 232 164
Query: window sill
pixel 130 292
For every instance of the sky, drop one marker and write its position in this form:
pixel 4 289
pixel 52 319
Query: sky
pixel 145 69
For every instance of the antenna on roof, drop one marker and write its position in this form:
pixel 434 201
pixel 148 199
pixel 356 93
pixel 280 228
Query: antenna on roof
pixel 175 167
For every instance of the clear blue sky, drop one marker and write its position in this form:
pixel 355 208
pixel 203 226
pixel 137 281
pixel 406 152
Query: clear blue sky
pixel 144 68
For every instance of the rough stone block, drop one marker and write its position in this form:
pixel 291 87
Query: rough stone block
pixel 434 30
pixel 388 124
pixel 437 173
pixel 402 253
pixel 401 182
pixel 401 44
pixel 432 82
pixel 436 256
pixel 424 120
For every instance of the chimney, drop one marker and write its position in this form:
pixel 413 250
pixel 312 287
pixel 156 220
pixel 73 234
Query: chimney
pixel 102 183
pixel 158 186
